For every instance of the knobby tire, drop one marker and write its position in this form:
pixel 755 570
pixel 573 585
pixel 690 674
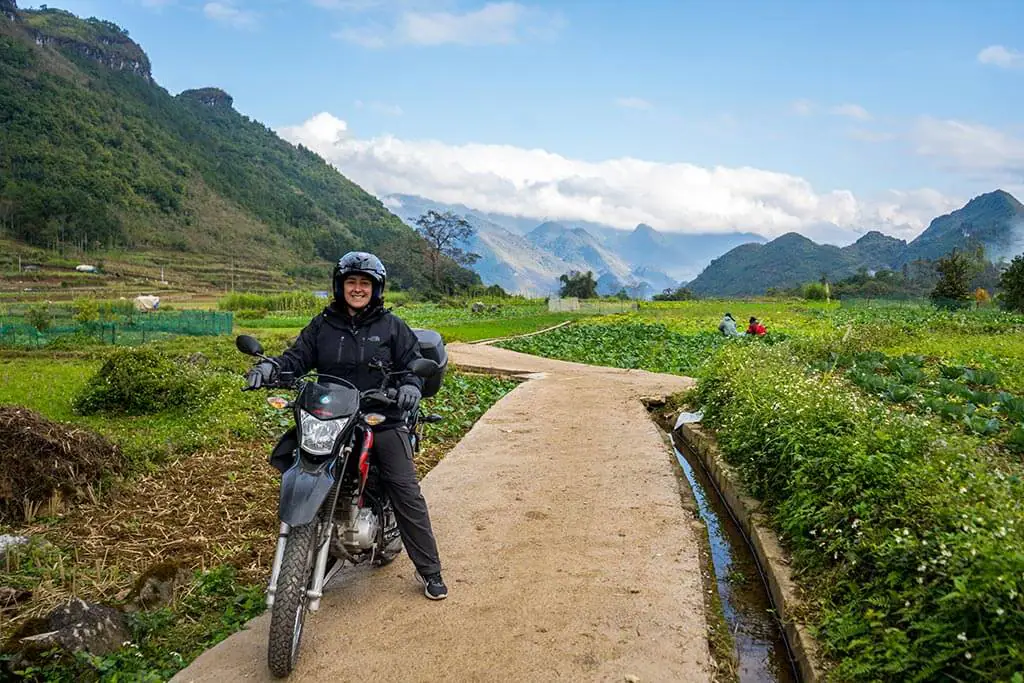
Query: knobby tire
pixel 289 610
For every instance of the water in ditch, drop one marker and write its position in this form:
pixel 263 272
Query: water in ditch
pixel 761 650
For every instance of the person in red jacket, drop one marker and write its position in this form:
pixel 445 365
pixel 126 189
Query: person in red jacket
pixel 756 327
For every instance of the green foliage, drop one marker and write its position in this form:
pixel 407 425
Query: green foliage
pixel 38 316
pixel 816 291
pixel 909 543
pixel 577 284
pixel 163 641
pixel 953 290
pixel 292 302
pixel 139 381
pixel 97 156
pixel 1012 284
pixel 627 344
pixel 677 294
pixel 86 311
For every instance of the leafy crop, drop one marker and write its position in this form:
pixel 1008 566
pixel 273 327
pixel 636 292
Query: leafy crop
pixel 650 346
pixel 908 536
pixel 964 396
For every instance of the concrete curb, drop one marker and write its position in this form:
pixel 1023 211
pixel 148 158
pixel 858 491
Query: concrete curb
pixel 770 554
pixel 488 342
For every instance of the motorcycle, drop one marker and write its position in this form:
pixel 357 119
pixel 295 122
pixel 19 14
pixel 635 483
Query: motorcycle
pixel 332 506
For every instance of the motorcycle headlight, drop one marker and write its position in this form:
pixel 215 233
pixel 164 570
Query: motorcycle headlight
pixel 318 436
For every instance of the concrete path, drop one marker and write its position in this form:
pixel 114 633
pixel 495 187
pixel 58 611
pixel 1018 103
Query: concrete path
pixel 567 553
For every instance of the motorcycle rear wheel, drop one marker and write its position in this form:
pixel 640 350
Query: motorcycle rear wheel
pixel 289 611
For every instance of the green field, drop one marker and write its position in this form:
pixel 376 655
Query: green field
pixel 887 443
pixel 168 410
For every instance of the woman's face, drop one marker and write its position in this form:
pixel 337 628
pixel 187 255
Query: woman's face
pixel 358 290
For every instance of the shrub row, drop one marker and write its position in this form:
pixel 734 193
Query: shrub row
pixel 908 535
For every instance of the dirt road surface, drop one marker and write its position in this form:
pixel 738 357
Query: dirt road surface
pixel 566 551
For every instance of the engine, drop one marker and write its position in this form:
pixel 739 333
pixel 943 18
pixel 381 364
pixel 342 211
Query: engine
pixel 361 532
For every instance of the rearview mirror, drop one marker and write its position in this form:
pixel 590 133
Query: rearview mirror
pixel 248 345
pixel 423 367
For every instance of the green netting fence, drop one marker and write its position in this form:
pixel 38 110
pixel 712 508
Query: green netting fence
pixel 126 330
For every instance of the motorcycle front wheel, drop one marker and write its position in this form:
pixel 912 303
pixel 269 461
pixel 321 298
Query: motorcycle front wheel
pixel 289 610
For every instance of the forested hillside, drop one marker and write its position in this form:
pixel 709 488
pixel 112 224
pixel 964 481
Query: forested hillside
pixel 96 156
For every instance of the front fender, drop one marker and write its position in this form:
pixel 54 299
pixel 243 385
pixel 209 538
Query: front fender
pixel 304 486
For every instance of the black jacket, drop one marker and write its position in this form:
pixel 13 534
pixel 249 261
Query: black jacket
pixel 338 344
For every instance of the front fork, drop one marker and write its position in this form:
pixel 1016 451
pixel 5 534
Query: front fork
pixel 320 574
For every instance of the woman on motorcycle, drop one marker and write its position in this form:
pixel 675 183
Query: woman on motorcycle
pixel 352 331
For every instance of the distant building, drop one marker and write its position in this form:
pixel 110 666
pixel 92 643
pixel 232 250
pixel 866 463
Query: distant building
pixel 85 269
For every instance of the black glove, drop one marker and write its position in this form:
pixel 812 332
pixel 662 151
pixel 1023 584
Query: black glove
pixel 408 397
pixel 259 375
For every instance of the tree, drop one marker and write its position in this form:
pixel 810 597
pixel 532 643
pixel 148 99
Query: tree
pixel 443 233
pixel 1012 284
pixel 677 294
pixel 953 289
pixel 579 285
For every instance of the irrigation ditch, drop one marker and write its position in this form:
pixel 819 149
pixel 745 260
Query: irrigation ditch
pixel 750 598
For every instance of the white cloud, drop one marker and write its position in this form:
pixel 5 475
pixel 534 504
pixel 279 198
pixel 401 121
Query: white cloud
pixel 971 147
pixel 226 12
pixel 634 103
pixel 997 55
pixel 380 108
pixel 802 107
pixel 623 192
pixel 853 111
pixel 496 23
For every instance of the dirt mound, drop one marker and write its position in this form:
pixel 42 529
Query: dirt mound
pixel 44 462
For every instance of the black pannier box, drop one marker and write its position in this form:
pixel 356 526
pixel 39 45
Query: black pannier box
pixel 432 347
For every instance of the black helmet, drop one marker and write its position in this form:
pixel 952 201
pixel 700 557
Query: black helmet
pixel 364 263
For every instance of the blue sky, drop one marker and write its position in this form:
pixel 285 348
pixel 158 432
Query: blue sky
pixel 816 116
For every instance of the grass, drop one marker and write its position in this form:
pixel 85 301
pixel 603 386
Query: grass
pixel 200 494
pixel 455 325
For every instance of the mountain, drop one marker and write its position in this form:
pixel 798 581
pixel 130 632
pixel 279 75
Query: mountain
pixel 506 259
pixel 576 245
pixel 630 257
pixel 681 255
pixel 994 220
pixel 876 250
pixel 97 157
pixel 789 261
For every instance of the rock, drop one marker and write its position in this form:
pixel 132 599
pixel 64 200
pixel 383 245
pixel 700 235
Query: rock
pixel 155 587
pixel 478 307
pixel 75 627
pixel 630 678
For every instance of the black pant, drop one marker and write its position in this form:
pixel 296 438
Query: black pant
pixel 392 451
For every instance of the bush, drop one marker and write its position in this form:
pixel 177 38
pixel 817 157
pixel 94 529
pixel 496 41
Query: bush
pixel 86 311
pixel 285 301
pixel 138 381
pixel 39 317
pixel 815 291
pixel 907 536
